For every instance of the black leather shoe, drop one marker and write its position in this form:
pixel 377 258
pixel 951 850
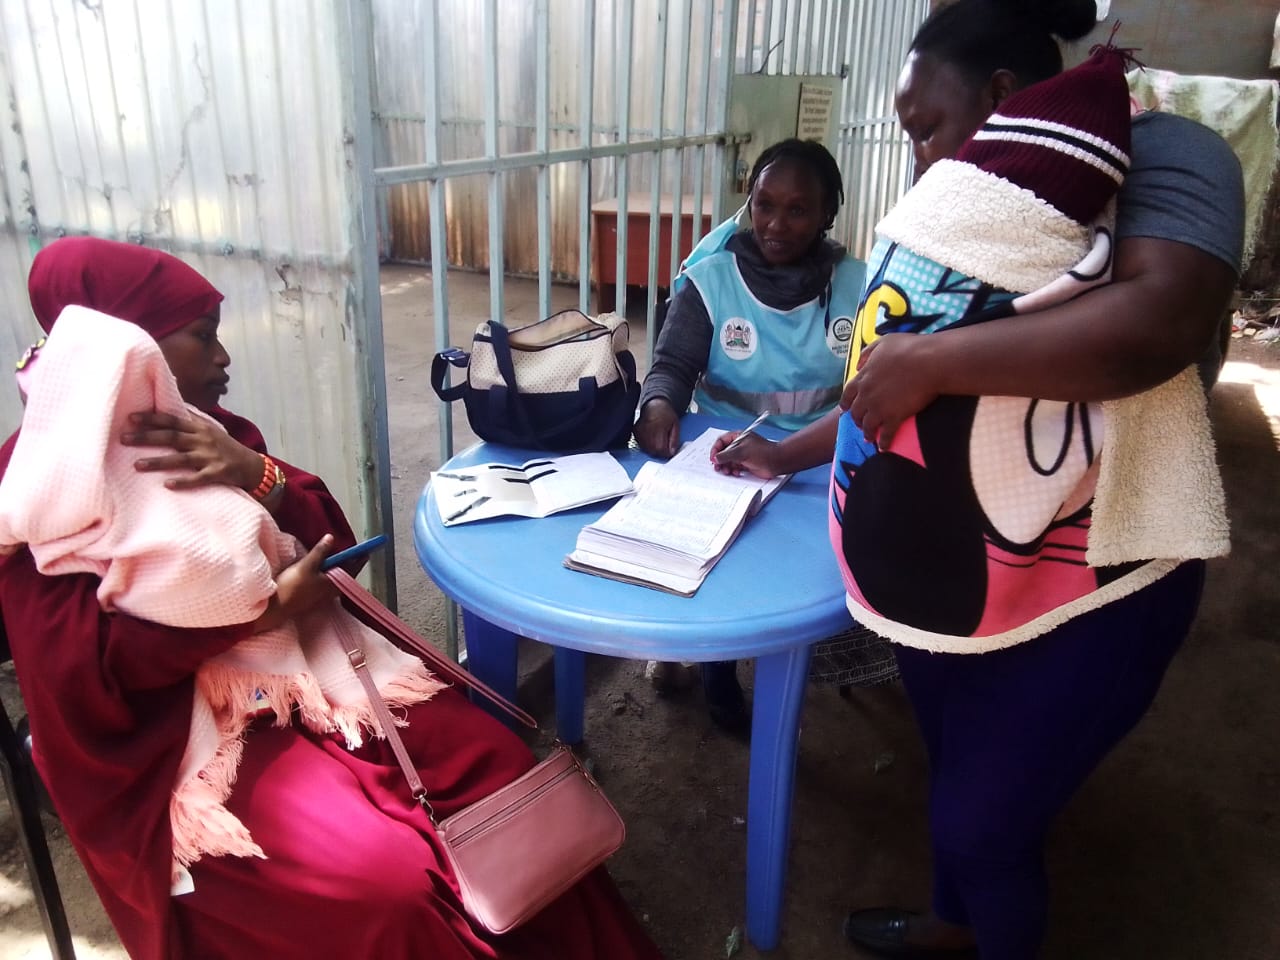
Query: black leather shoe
pixel 883 931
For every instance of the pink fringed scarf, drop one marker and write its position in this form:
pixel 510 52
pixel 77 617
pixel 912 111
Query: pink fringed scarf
pixel 197 558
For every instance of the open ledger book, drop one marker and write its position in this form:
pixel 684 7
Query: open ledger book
pixel 536 488
pixel 680 521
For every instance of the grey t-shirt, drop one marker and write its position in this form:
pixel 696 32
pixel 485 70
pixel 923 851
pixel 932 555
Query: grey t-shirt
pixel 1185 185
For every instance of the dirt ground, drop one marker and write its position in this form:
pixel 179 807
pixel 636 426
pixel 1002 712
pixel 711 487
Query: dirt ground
pixel 1171 851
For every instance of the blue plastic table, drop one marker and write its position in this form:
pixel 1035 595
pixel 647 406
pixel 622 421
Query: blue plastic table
pixel 774 593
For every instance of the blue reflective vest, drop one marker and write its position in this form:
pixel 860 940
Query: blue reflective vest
pixel 788 361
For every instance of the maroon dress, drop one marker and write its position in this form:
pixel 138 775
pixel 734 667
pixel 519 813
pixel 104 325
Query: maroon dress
pixel 354 867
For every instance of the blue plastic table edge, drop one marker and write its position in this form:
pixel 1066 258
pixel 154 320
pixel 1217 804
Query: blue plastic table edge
pixel 782 666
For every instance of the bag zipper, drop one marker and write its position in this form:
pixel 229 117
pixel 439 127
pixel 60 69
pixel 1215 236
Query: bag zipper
pixel 507 812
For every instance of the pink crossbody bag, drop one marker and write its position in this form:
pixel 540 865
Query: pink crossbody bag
pixel 522 846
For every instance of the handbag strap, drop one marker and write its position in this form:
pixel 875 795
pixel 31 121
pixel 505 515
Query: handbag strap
pixel 499 340
pixel 439 369
pixel 386 621
pixel 355 656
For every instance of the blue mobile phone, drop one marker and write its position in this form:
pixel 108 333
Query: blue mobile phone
pixel 359 550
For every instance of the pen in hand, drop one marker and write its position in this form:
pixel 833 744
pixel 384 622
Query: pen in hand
pixel 748 431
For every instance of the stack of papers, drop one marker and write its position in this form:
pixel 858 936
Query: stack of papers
pixel 536 488
pixel 680 521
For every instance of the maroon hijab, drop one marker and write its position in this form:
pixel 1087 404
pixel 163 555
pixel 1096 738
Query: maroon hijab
pixel 151 288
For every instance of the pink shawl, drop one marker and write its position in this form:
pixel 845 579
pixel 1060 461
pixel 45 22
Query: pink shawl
pixel 199 558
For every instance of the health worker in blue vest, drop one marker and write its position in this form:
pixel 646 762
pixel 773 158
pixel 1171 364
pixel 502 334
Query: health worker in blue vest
pixel 763 322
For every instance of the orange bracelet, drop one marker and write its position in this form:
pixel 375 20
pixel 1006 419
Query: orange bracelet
pixel 269 478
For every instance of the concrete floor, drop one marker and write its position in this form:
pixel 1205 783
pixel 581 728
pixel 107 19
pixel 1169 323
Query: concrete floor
pixel 1171 851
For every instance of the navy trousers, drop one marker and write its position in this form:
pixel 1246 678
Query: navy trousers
pixel 1011 735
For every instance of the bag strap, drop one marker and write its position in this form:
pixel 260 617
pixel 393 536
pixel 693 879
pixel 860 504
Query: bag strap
pixel 387 622
pixel 440 366
pixel 515 401
pixel 355 656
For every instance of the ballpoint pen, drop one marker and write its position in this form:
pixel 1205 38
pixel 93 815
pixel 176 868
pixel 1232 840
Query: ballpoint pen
pixel 748 431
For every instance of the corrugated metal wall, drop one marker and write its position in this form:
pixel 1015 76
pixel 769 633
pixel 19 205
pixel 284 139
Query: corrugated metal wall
pixel 219 130
pixel 772 36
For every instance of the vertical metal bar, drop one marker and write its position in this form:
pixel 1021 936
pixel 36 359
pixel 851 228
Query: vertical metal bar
pixel 839 56
pixel 368 317
pixel 767 37
pixel 865 44
pixel 496 247
pixel 622 96
pixel 796 39
pixel 749 61
pixel 586 110
pixel 893 142
pixel 542 40
pixel 783 36
pixel 655 200
pixel 806 52
pixel 436 212
pixel 682 128
pixel 839 53
pixel 381 158
pixel 728 47
pixel 439 255
pixel 825 32
pixel 885 62
pixel 704 96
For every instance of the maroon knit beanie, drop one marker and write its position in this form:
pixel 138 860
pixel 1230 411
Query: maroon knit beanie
pixel 1066 139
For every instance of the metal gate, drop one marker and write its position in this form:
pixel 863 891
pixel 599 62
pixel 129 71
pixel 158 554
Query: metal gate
pixel 500 126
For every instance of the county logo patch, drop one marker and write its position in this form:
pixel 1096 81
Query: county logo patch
pixel 738 338
pixel 839 335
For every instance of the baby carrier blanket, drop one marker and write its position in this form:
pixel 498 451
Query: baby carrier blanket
pixel 204 557
pixel 976 528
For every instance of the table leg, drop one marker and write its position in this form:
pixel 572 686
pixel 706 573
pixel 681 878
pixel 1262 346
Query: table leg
pixel 491 657
pixel 570 691
pixel 775 734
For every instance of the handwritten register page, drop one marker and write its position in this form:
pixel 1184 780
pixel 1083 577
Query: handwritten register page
pixel 679 522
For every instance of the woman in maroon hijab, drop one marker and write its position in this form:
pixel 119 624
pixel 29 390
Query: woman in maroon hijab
pixel 353 867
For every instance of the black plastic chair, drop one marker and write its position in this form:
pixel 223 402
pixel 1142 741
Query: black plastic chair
pixel 24 800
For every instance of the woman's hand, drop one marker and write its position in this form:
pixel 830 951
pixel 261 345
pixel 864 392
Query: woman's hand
pixel 754 455
pixel 893 383
pixel 199 446
pixel 299 587
pixel 658 429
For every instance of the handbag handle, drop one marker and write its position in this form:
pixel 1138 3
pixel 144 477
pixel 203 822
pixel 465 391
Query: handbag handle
pixel 439 367
pixel 386 621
